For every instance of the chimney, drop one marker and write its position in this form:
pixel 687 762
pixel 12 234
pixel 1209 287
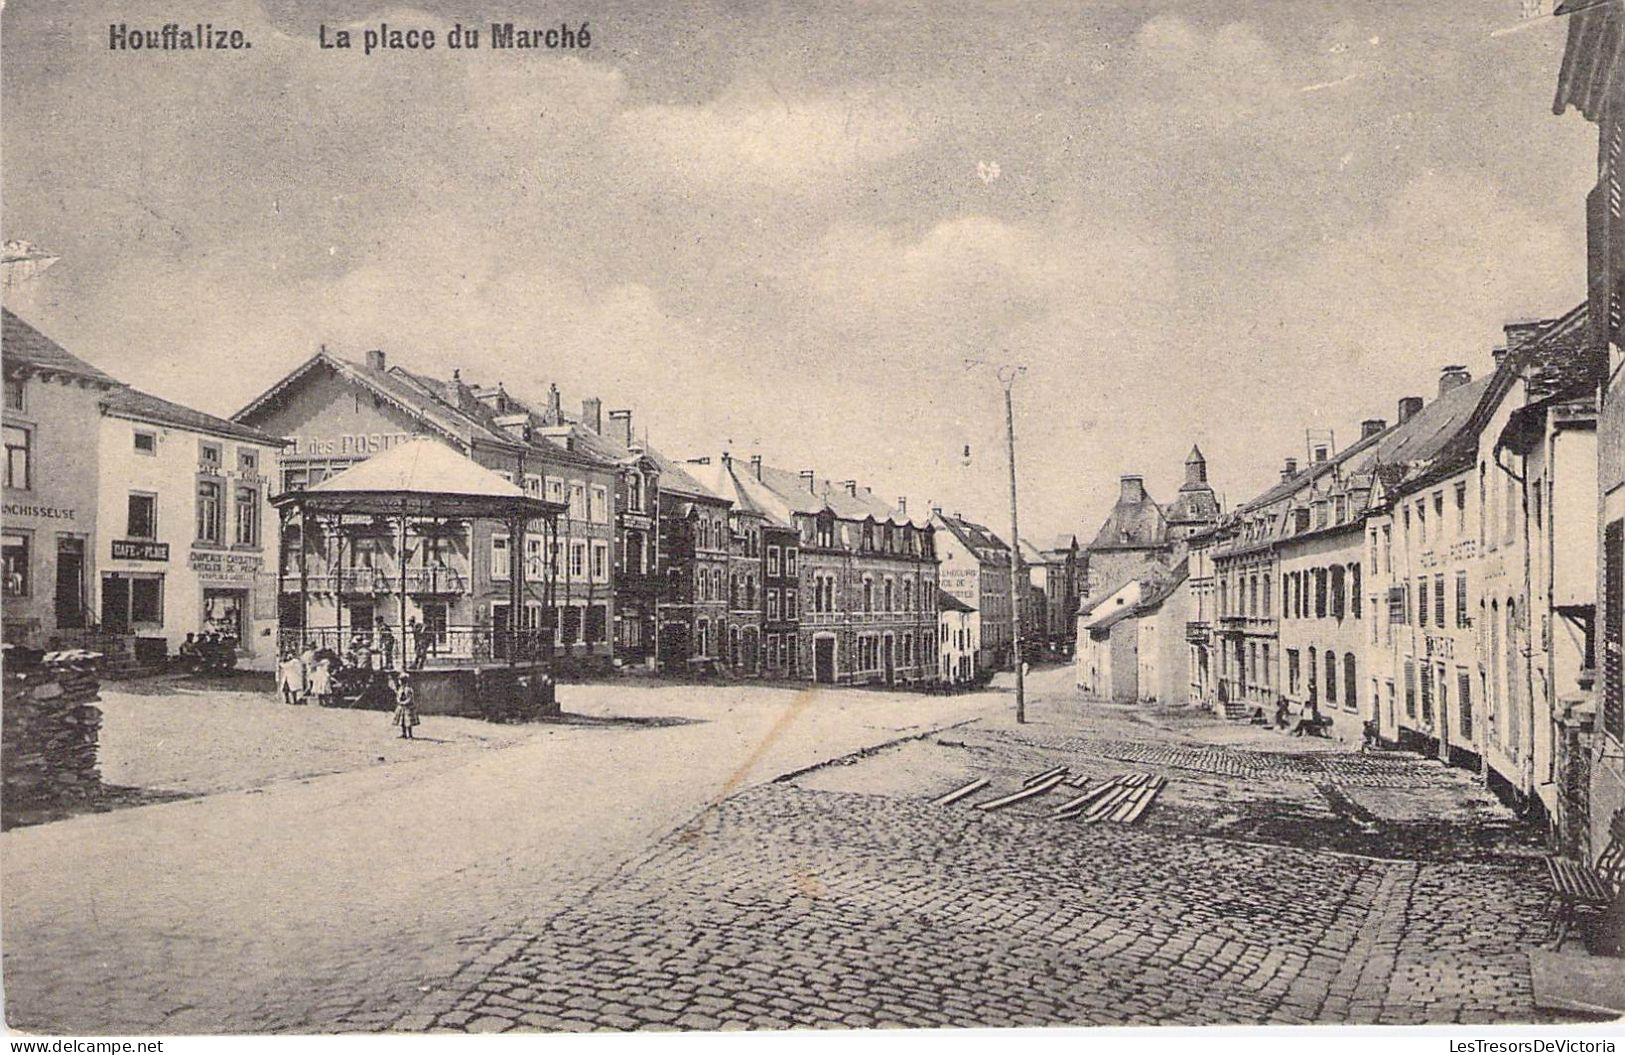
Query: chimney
pixel 851 487
pixel 1409 407
pixel 902 504
pixel 1290 469
pixel 1131 490
pixel 808 477
pixel 727 460
pixel 1499 354
pixel 1371 426
pixel 936 510
pixel 756 466
pixel 1452 377
pixel 592 414
pixel 1521 333
pixel 375 360
pixel 555 415
pixel 620 427
pixel 457 393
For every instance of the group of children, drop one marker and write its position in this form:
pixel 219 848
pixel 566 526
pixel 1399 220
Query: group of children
pixel 307 674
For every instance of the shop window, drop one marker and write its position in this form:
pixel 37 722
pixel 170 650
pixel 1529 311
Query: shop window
pixel 226 612
pixel 147 601
pixel 19 458
pixel 142 521
pixel 17 567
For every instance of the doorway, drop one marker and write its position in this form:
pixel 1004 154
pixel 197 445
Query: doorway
pixel 824 660
pixel 70 583
pixel 888 658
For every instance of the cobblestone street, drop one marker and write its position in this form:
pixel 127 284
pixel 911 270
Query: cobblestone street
pixel 1274 881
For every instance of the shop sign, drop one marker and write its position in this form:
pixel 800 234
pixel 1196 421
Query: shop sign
pixel 1441 647
pixel 228 567
pixel 349 443
pixel 134 549
pixel 636 521
pixel 15 509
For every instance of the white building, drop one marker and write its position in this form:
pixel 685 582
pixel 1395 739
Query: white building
pixel 189 539
pixel 959 636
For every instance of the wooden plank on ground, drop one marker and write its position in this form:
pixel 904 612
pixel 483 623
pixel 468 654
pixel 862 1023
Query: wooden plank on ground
pixel 1024 793
pixel 1156 789
pixel 1107 803
pixel 1038 778
pixel 954 796
pixel 1079 804
pixel 1128 804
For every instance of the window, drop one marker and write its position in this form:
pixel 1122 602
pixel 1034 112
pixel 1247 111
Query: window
pixel 19 458
pixel 600 505
pixel 533 485
pixel 555 489
pixel 1463 618
pixel 1351 682
pixel 1464 703
pixel 1422 601
pixel 1461 510
pixel 1438 514
pixel 17 567
pixel 1427 694
pixel 772 604
pixel 868 595
pixel 146 442
pixel 1422 522
pixel 1331 677
pixel 578 560
pixel 248 516
pixel 142 521
pixel 597 624
pixel 209 512
pixel 1410 689
pixel 578 500
pixel 147 600
pixel 1293 674
pixel 1388 549
pixel 1265 598
pixel 1339 592
pixel 535 558
pixel 209 457
pixel 600 562
pixel 789 604
pixel 773 560
pixel 501 567
pixel 1511 506
pixel 1355 591
pixel 248 461
pixel 1320 593
pixel 1438 601
pixel 634 492
pixel 789 562
pixel 15 399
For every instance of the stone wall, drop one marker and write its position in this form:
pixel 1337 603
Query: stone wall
pixel 49 737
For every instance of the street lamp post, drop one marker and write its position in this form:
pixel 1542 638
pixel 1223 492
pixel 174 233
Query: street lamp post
pixel 1007 375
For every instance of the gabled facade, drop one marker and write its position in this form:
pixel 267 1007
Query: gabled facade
pixel 975 567
pixel 868 582
pixel 334 413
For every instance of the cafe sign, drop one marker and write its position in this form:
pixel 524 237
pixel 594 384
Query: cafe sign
pixel 225 567
pixel 134 549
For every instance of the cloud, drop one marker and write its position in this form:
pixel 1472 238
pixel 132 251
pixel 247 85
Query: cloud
pixel 759 138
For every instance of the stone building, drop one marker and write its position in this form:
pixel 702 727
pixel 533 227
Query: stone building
pixel 975 567
pixel 958 641
pixel 692 613
pixel 868 582
pixel 335 413
pixel 52 476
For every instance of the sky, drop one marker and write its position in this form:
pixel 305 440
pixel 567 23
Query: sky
pixel 785 228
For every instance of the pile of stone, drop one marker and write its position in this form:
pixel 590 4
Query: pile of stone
pixel 48 732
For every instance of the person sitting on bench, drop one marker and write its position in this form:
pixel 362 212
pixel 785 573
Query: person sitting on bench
pixel 1309 721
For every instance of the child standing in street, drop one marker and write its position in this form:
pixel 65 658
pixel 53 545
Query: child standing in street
pixel 321 683
pixel 406 708
pixel 291 678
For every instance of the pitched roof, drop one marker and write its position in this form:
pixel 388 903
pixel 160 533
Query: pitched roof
pixel 1132 524
pixel 420 466
pixel 980 540
pixel 740 488
pixel 22 345
pixel 947 602
pixel 859 503
pixel 1159 589
pixel 125 402
pixel 676 479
